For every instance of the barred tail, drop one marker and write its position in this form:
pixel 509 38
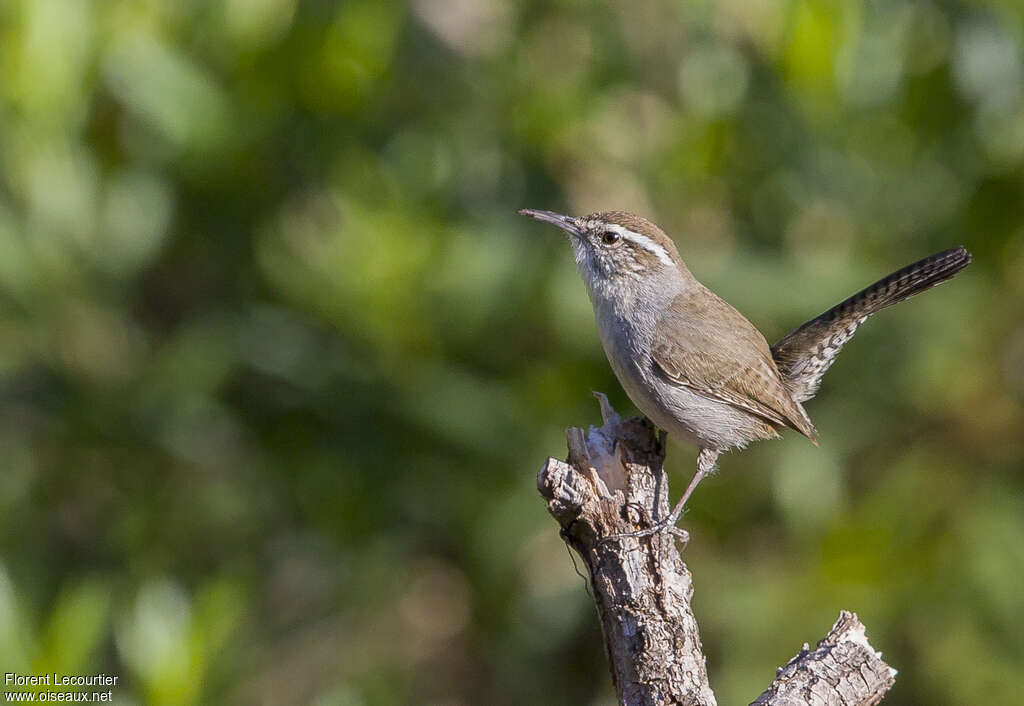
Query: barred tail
pixel 806 353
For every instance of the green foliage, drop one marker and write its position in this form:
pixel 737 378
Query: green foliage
pixel 279 362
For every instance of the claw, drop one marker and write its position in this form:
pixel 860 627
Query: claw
pixel 663 526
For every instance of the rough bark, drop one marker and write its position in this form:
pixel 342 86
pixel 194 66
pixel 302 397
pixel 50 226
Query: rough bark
pixel 843 670
pixel 614 483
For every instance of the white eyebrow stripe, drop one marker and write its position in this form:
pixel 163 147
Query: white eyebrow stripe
pixel 643 241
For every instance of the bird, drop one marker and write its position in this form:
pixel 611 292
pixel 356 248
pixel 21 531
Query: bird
pixel 692 363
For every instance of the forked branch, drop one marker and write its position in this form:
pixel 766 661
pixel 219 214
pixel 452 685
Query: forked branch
pixel 614 483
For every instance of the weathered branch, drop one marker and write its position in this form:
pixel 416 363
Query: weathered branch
pixel 843 670
pixel 613 483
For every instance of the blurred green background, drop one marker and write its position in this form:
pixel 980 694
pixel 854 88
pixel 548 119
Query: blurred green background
pixel 279 362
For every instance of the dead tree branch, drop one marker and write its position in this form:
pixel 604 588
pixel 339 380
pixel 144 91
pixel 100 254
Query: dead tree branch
pixel 613 483
pixel 843 670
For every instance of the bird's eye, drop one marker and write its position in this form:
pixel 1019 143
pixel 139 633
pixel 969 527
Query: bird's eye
pixel 610 237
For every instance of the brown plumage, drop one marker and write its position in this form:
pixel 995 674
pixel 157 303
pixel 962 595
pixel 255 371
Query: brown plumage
pixel 638 224
pixel 692 363
pixel 704 344
pixel 724 357
pixel 803 355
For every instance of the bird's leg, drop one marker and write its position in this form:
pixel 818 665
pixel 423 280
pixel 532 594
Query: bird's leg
pixel 706 460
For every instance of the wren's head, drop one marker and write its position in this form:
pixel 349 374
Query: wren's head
pixel 616 249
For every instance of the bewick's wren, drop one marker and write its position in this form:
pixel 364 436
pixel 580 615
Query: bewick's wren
pixel 692 363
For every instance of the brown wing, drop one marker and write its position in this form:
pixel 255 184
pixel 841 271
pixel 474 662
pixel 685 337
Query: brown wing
pixel 713 350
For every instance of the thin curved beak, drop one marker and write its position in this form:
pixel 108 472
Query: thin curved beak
pixel 566 223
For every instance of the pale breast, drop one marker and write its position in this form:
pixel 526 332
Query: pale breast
pixel 679 411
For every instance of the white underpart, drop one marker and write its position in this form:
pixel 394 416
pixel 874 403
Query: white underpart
pixel 642 241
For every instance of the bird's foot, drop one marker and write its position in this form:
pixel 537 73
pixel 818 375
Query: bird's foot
pixel 668 525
